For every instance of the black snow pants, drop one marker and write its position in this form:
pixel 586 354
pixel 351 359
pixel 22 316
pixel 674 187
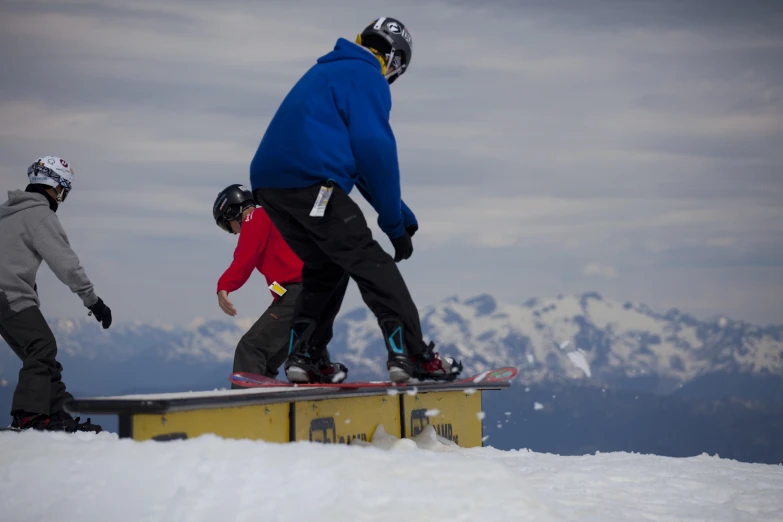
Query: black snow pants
pixel 40 388
pixel 336 246
pixel 264 347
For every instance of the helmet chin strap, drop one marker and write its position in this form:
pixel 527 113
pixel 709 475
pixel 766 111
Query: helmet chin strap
pixel 385 60
pixel 394 72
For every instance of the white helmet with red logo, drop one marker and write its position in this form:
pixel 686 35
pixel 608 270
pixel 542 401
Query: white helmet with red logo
pixel 54 172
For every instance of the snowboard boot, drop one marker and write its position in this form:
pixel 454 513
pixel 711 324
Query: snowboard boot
pixel 425 365
pixel 24 420
pixel 63 420
pixel 307 365
pixel 313 368
pixel 60 421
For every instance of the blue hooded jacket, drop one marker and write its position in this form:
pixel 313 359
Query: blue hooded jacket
pixel 334 125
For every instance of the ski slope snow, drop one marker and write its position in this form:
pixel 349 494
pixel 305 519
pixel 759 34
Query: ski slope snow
pixel 87 477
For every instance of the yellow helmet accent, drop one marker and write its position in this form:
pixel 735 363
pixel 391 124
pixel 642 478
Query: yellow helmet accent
pixel 375 53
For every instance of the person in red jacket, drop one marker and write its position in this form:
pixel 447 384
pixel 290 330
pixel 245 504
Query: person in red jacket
pixel 264 348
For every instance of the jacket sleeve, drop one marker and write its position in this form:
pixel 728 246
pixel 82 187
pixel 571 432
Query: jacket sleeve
pixel 251 244
pixel 375 148
pixel 408 217
pixel 52 245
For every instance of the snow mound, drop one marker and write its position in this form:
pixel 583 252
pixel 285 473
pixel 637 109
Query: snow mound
pixel 428 439
pixel 99 477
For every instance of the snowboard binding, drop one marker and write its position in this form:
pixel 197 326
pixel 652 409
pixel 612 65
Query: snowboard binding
pixel 308 365
pixel 425 365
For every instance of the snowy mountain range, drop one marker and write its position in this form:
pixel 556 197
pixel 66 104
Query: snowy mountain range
pixel 582 338
pixel 622 376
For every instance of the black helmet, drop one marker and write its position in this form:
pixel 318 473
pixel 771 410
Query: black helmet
pixel 390 38
pixel 230 204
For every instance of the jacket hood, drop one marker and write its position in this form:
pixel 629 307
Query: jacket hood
pixel 347 50
pixel 19 200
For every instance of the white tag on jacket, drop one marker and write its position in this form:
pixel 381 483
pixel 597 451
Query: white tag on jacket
pixel 321 201
pixel 277 288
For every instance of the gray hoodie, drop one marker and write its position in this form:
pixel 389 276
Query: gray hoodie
pixel 29 233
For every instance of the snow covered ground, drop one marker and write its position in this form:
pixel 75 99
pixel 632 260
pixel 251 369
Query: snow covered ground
pixel 99 477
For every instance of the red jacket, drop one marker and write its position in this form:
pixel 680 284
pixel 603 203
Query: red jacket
pixel 261 246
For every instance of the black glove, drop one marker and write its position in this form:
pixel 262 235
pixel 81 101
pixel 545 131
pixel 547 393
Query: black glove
pixel 102 313
pixel 412 229
pixel 403 247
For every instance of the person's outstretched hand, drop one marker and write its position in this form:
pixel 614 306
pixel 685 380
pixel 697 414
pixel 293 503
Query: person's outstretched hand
pixel 225 304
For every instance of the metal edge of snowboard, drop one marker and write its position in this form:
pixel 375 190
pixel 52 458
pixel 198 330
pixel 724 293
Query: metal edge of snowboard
pixel 118 406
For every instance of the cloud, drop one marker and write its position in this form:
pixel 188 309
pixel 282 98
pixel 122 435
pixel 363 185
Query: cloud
pixel 722 241
pixel 535 139
pixel 598 270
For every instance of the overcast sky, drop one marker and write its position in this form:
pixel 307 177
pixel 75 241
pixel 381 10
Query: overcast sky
pixel 634 148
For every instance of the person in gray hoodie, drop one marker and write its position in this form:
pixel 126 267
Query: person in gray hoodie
pixel 30 232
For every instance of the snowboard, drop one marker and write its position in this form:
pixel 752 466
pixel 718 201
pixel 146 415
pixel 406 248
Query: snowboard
pixel 251 380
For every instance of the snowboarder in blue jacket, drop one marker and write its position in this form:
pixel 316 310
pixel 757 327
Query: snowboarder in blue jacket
pixel 332 133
